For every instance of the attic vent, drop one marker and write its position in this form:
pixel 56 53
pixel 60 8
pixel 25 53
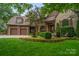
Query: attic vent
pixel 19 20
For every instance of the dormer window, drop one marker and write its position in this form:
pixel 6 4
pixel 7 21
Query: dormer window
pixel 19 20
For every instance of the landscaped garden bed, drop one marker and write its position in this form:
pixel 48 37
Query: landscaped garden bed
pixel 43 40
pixel 54 39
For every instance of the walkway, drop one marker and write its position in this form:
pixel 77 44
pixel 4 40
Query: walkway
pixel 15 36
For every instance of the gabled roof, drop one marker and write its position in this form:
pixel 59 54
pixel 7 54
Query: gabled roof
pixel 66 15
pixel 52 16
pixel 13 20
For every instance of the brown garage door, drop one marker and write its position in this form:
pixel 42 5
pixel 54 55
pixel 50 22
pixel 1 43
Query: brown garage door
pixel 13 31
pixel 23 31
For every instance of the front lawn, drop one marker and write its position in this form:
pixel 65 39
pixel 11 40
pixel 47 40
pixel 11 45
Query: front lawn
pixel 20 47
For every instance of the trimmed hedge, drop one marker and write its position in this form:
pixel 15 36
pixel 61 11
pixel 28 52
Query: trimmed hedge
pixel 46 35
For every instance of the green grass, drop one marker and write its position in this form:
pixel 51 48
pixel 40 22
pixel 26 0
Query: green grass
pixel 17 47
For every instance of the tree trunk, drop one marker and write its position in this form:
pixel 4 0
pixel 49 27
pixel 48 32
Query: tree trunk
pixel 37 25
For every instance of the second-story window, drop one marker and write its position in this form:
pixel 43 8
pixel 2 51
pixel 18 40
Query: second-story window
pixel 19 20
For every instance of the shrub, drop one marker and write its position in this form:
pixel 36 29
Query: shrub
pixel 46 35
pixel 42 34
pixel 64 31
pixel 68 31
pixel 58 34
pixel 34 35
pixel 71 32
pixel 1 30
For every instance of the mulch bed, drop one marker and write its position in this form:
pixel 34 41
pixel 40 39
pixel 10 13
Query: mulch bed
pixel 43 40
pixel 50 40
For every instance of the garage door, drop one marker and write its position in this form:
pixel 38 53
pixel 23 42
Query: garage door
pixel 13 31
pixel 23 31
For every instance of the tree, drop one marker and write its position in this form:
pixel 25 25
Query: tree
pixel 50 7
pixel 35 17
pixel 6 11
pixel 21 7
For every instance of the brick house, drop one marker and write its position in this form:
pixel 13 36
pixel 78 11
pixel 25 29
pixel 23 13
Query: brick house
pixel 69 17
pixel 50 21
pixel 20 25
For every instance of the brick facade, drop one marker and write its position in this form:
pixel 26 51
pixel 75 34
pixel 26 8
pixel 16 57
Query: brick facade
pixel 18 30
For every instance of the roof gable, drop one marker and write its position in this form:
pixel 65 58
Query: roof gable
pixel 52 16
pixel 19 20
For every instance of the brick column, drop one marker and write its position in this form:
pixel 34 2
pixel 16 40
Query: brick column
pixel 28 29
pixel 18 30
pixel 8 30
pixel 46 27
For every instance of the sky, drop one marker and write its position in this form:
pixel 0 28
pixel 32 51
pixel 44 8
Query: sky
pixel 39 5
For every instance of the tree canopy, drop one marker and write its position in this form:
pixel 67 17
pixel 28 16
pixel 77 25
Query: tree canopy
pixel 6 10
pixel 50 7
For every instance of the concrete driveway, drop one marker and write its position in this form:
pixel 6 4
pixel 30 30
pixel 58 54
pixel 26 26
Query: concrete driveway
pixel 15 36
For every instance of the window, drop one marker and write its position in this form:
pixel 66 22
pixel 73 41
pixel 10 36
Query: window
pixel 32 29
pixel 65 22
pixel 19 20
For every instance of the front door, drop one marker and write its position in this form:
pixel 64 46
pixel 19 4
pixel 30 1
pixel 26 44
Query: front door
pixel 50 28
pixel 32 30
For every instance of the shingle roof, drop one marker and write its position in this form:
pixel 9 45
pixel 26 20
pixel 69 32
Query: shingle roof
pixel 13 20
pixel 52 16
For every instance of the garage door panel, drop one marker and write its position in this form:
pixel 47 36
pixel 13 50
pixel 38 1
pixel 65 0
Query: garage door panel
pixel 18 31
pixel 23 31
pixel 13 31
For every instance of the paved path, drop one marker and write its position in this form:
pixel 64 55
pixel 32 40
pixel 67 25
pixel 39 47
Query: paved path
pixel 15 36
